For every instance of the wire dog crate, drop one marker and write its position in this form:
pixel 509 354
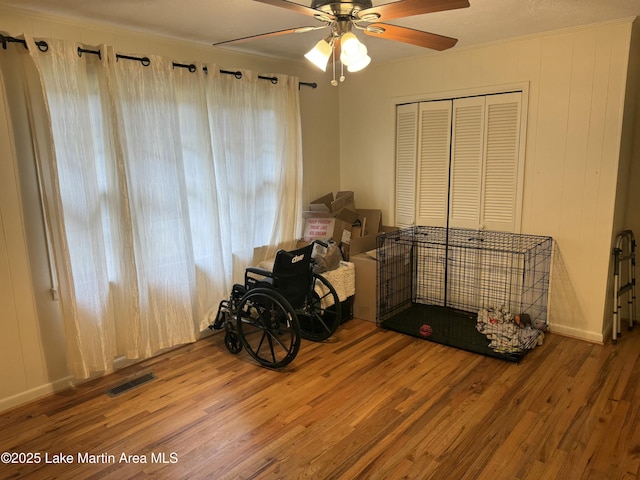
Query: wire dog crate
pixel 481 291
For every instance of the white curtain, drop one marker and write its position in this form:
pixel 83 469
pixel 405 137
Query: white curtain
pixel 251 122
pixel 158 183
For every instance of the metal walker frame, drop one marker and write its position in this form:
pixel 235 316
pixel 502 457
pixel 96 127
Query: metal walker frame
pixel 624 251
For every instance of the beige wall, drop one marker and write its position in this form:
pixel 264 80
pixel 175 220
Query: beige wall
pixel 632 137
pixel 626 202
pixel 576 87
pixel 31 333
pixel 22 352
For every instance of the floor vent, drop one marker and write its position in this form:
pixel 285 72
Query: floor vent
pixel 131 384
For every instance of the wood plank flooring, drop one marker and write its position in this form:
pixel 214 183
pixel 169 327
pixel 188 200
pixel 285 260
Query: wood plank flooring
pixel 367 404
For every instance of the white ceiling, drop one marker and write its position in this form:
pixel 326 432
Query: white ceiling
pixel 210 21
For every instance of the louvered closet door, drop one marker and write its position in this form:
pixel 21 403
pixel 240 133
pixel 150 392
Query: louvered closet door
pixel 466 162
pixel 501 198
pixel 434 145
pixel 406 148
pixel 502 163
pixel 465 199
pixel 434 142
pixel 460 159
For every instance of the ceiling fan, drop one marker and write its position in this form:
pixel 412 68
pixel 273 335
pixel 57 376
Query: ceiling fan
pixel 342 17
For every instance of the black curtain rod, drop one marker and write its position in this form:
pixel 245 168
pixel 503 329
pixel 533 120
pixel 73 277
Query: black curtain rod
pixel 145 61
pixel 41 44
pixel 92 52
pixel 238 75
pixel 44 46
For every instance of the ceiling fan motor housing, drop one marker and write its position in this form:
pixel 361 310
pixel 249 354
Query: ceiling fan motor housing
pixel 341 8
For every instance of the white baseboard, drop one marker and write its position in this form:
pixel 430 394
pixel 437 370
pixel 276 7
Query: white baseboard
pixel 35 393
pixel 593 337
pixel 69 381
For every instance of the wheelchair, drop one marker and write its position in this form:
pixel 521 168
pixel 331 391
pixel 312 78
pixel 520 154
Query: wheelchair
pixel 273 310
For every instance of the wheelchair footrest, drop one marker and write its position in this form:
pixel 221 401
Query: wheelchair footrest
pixel 221 316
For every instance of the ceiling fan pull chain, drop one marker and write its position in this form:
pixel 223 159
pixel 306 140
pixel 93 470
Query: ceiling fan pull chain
pixel 334 82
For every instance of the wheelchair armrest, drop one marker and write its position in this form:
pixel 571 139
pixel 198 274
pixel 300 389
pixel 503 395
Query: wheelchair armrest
pixel 250 280
pixel 258 271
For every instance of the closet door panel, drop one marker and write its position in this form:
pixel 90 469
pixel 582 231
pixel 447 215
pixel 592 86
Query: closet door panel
pixel 434 148
pixel 502 162
pixel 406 152
pixel 467 162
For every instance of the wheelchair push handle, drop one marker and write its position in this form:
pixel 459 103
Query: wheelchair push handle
pixel 292 254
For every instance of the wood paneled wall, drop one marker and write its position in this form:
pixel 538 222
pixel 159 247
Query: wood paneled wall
pixel 575 81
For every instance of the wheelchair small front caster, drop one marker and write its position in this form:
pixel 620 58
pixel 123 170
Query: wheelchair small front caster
pixel 232 339
pixel 232 342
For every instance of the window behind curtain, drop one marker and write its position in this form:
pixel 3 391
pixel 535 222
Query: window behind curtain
pixel 160 184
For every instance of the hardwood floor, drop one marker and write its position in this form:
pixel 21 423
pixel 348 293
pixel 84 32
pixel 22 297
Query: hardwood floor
pixel 368 404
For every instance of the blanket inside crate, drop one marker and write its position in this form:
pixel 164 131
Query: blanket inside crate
pixel 506 333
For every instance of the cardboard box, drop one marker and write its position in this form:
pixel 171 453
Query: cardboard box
pixel 343 200
pixel 362 244
pixel 322 204
pixel 344 220
pixel 355 229
pixel 341 211
pixel 318 226
pixel 366 267
pixel 370 222
pixel 365 298
pixel 328 203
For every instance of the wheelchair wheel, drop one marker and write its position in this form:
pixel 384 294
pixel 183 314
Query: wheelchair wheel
pixel 268 327
pixel 232 339
pixel 320 315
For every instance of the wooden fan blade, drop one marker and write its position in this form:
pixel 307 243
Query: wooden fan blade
pixel 407 8
pixel 294 7
pixel 263 35
pixel 414 37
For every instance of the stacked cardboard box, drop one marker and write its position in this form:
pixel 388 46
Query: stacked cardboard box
pixel 355 230
pixel 365 298
pixel 338 219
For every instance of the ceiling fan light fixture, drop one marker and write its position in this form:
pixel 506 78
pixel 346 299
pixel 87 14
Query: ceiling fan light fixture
pixel 359 64
pixel 356 58
pixel 350 44
pixel 319 55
